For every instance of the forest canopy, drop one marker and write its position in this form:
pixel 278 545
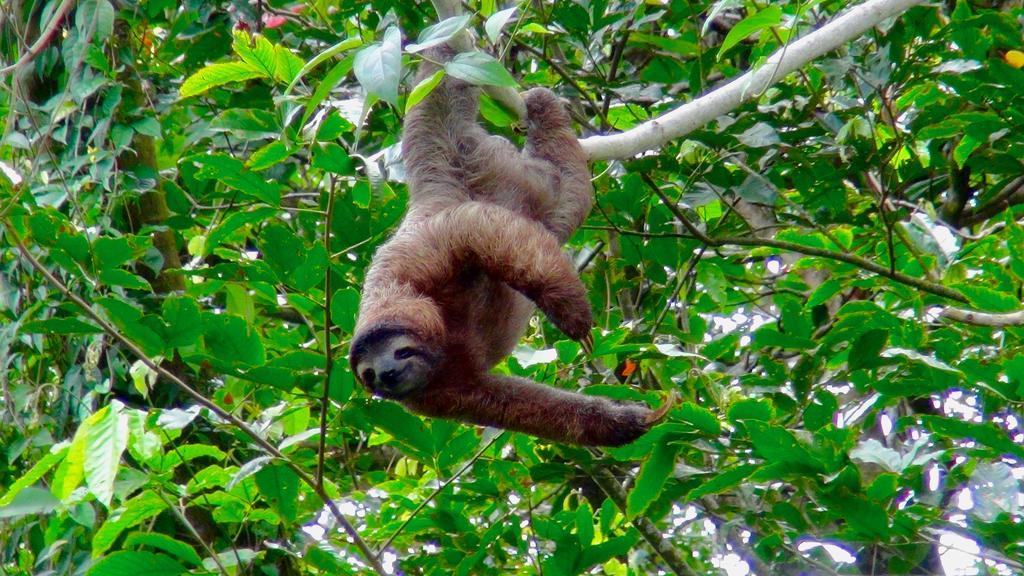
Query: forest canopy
pixel 808 225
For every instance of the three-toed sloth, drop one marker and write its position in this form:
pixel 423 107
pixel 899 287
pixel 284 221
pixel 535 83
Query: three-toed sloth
pixel 450 294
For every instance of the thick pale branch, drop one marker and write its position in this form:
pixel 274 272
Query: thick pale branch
pixel 688 117
pixel 984 318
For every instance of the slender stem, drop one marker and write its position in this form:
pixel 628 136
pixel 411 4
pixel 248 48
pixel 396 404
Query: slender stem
pixel 325 399
pixel 434 494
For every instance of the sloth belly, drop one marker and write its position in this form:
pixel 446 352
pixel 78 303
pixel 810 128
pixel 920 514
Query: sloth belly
pixel 485 314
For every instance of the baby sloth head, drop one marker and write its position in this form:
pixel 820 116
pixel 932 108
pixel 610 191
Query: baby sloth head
pixel 392 362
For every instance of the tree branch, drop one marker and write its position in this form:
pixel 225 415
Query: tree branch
pixel 984 318
pixel 654 133
pixel 1011 195
pixel 611 487
pixel 44 37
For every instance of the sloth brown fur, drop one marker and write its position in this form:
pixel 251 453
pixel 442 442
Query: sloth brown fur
pixel 450 294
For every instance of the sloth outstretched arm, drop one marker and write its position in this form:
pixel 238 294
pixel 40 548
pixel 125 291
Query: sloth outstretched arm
pixel 526 406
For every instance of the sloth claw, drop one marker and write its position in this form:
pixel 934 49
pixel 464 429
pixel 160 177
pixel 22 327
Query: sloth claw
pixel 658 415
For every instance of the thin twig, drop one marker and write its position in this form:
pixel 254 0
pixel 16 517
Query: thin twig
pixel 325 400
pixel 434 494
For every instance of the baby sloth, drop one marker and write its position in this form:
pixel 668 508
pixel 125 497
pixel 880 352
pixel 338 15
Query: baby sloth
pixel 450 294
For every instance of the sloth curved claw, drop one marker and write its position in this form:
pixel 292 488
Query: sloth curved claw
pixel 658 415
pixel 587 343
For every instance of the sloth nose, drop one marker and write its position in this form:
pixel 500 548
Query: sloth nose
pixel 389 377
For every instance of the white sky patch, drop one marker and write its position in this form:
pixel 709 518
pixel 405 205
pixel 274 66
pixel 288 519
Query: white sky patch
pixel 958 555
pixel 839 554
pixel 732 564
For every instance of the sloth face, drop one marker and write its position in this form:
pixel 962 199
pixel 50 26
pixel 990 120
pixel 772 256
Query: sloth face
pixel 394 366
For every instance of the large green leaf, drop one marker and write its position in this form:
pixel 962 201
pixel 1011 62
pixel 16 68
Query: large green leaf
pixel 653 474
pixel 106 439
pixel 280 486
pixel 218 74
pixel 479 69
pixel 379 66
pixel 770 16
pixel 131 513
pixel 132 562
pixel 439 33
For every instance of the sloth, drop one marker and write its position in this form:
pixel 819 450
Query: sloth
pixel 450 293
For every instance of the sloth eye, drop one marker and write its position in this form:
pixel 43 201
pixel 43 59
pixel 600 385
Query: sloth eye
pixel 404 353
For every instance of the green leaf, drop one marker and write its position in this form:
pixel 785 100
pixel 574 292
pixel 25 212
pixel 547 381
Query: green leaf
pixel 423 89
pixel 95 20
pixel 770 16
pixel 130 322
pixel 967 145
pixel 378 67
pixel 32 501
pixel 323 89
pixel 36 472
pixel 232 173
pixel 164 543
pixel 824 292
pixel 71 472
pixel 407 429
pixel 230 341
pixel 777 444
pixel 496 22
pixel 132 562
pixel 59 326
pixel 653 474
pixel 280 486
pixel 479 69
pixel 987 434
pixel 722 481
pixel 286 64
pixel 988 299
pixel 605 551
pixel 256 51
pixel 344 308
pixel 701 418
pixel 134 511
pixel 290 257
pixel 267 156
pixel 438 33
pixel 106 440
pixel 234 222
pixel 184 326
pixel 346 44
pixel 751 409
pixel 113 252
pixel 218 74
pixel 332 158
